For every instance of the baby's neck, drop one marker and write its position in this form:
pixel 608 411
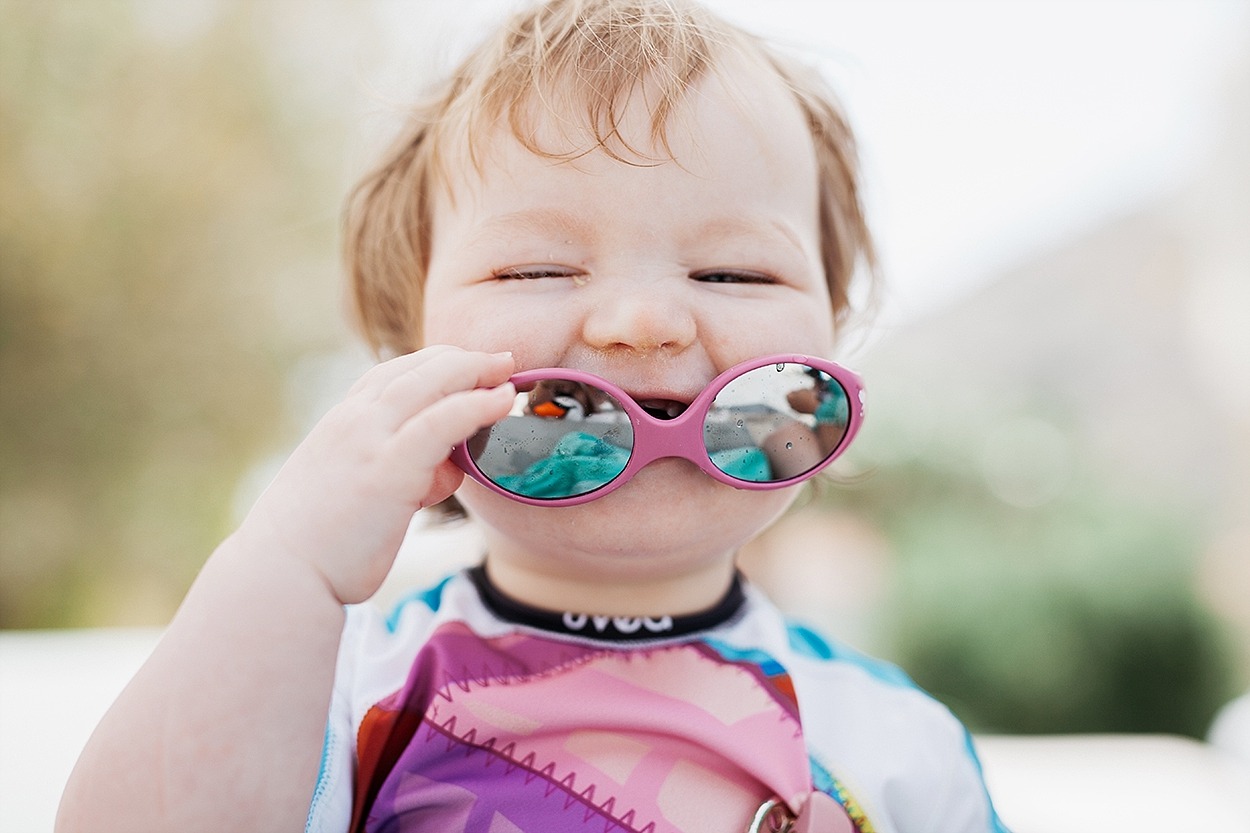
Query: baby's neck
pixel 619 595
pixel 603 627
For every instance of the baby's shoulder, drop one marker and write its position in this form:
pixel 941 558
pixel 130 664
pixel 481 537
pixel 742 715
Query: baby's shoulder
pixel 381 642
pixel 863 687
pixel 867 718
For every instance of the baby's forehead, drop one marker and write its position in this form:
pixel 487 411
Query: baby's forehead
pixel 568 121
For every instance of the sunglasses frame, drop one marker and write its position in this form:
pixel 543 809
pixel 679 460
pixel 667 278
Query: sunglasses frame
pixel 681 436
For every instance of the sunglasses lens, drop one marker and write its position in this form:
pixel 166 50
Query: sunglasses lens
pixel 562 439
pixel 776 422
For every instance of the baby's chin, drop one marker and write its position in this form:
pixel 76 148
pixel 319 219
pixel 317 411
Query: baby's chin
pixel 669 507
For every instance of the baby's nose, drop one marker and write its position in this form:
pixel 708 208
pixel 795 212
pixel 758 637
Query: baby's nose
pixel 641 316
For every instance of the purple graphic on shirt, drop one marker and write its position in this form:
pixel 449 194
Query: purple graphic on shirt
pixel 526 734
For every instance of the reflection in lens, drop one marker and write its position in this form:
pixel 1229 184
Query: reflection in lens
pixel 561 439
pixel 776 422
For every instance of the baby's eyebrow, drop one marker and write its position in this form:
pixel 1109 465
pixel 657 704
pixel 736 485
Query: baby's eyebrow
pixel 550 221
pixel 538 221
pixel 768 229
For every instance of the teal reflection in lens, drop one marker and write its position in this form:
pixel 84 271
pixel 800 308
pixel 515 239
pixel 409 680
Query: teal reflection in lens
pixel 579 463
pixel 744 463
pixel 776 422
pixel 834 408
pixel 562 439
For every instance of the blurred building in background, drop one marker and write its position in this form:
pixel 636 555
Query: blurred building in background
pixel 1054 478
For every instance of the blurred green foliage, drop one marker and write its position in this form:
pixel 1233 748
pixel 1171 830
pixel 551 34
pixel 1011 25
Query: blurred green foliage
pixel 156 187
pixel 1078 614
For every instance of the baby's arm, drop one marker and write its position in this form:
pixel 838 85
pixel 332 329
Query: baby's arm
pixel 222 727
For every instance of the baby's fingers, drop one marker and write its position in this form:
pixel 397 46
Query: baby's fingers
pixel 435 362
pixel 375 380
pixel 425 440
pixel 422 385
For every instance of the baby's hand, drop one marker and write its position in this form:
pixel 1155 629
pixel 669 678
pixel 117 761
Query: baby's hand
pixel 344 499
pixel 804 400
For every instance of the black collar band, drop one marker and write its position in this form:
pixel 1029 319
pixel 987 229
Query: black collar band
pixel 607 628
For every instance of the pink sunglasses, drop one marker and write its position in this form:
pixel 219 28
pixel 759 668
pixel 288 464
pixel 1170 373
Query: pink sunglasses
pixel 572 437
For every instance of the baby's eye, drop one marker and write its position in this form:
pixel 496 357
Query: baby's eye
pixel 525 273
pixel 732 276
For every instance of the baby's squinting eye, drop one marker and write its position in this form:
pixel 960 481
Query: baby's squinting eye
pixel 525 273
pixel 732 276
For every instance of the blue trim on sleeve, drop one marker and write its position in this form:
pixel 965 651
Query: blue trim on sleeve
pixel 808 643
pixel 431 597
pixel 996 824
pixel 766 663
pixel 323 777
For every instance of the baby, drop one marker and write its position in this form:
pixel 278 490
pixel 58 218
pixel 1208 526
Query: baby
pixel 659 216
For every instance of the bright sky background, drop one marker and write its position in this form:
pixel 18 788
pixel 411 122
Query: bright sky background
pixel 992 129
pixel 989 129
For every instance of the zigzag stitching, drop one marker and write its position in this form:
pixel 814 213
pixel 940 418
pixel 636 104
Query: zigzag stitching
pixel 511 674
pixel 566 785
pixel 755 674
pixel 487 676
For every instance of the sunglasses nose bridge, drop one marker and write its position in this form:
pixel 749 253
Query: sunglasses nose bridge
pixel 657 439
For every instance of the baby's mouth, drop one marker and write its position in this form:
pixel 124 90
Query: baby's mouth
pixel 663 408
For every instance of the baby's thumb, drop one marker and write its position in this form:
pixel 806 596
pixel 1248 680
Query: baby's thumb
pixel 447 479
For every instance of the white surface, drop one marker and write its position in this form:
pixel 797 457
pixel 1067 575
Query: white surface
pixel 55 686
pixel 1113 783
pixel 1230 732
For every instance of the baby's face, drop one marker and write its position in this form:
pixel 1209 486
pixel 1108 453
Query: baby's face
pixel 655 276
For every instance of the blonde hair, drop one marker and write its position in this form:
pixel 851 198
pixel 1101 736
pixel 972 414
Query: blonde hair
pixel 580 60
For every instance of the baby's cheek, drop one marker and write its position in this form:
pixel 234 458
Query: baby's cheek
pixel 460 329
pixel 493 328
pixel 796 325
